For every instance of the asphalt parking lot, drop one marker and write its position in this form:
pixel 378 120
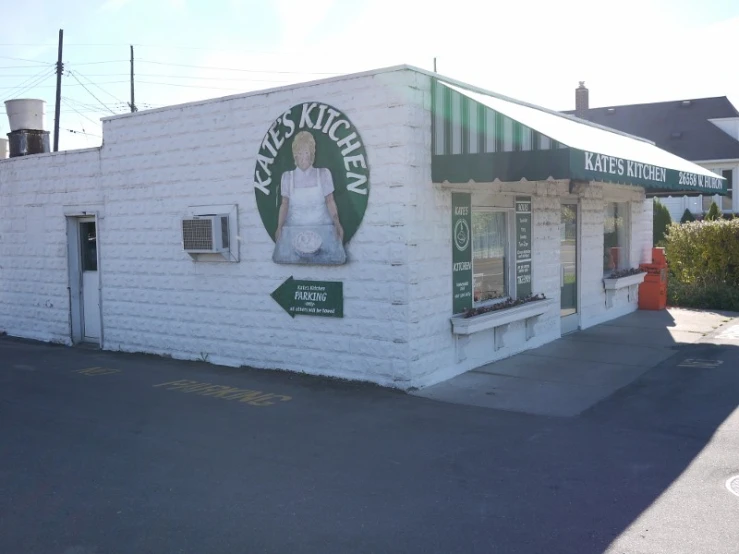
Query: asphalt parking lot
pixel 104 452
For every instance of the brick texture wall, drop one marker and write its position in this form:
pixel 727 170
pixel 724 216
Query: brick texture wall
pixel 152 167
pixel 397 285
pixel 34 299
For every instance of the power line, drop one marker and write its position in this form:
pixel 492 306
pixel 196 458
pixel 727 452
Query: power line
pixel 160 46
pixel 29 80
pixel 33 85
pixel 18 67
pixel 31 77
pixel 22 60
pixel 194 78
pixel 73 74
pixel 191 86
pixel 95 84
pixel 83 132
pixel 16 76
pixel 54 45
pixel 64 100
pixel 30 83
pixel 88 106
pixel 72 85
pixel 232 69
pixel 98 63
pixel 3 112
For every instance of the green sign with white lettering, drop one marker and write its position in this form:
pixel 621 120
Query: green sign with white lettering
pixel 523 246
pixel 312 183
pixel 319 298
pixel 599 167
pixel 523 229
pixel 461 252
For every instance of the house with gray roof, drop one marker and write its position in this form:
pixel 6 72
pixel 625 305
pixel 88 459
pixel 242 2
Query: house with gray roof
pixel 703 130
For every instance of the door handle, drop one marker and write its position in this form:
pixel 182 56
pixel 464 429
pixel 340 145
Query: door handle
pixel 562 277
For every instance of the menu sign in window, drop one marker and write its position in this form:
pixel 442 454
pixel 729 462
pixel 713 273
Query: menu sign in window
pixel 461 252
pixel 523 246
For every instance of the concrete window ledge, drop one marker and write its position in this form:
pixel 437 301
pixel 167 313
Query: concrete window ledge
pixel 631 282
pixel 499 321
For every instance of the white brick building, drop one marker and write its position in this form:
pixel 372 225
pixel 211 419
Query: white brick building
pixel 131 286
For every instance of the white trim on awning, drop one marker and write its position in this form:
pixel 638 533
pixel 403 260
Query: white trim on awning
pixel 583 136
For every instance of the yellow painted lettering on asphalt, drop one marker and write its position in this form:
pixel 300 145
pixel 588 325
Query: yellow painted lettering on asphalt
pixel 248 396
pixel 223 393
pixel 96 371
pixel 209 389
pixel 255 399
pixel 174 384
pixel 196 388
pixel 268 399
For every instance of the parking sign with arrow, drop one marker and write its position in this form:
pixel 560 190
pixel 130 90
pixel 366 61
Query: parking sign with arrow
pixel 319 298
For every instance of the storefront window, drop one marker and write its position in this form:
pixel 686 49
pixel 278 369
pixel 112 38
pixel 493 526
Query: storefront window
pixel 489 244
pixel 615 237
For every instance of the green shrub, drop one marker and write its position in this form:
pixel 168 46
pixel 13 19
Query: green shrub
pixel 661 221
pixel 713 212
pixel 704 253
pixel 707 297
pixel 687 216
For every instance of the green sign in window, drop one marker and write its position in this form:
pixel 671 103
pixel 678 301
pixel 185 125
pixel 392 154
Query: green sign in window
pixel 461 252
pixel 523 246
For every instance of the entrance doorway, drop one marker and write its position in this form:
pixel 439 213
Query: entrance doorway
pixel 84 279
pixel 569 256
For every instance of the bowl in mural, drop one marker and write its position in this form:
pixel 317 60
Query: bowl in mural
pixel 307 242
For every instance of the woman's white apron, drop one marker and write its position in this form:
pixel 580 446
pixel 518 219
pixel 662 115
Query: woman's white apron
pixel 307 204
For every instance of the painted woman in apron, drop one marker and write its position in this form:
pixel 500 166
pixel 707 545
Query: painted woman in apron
pixel 308 226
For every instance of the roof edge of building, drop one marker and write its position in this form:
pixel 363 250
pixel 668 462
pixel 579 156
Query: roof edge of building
pixel 378 71
pixel 661 102
pixel 336 78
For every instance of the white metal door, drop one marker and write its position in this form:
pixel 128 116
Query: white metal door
pixel 90 280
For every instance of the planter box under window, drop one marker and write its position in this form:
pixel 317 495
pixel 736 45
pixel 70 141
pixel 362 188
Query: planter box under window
pixel 500 319
pixel 631 282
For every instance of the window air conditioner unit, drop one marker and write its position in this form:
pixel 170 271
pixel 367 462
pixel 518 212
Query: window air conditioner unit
pixel 206 234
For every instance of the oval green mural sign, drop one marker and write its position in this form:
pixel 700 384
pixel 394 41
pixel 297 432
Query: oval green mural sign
pixel 311 183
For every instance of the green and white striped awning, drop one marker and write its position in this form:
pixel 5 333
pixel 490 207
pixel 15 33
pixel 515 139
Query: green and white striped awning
pixel 480 137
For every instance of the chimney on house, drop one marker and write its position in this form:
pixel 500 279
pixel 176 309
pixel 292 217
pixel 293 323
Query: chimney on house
pixel 582 101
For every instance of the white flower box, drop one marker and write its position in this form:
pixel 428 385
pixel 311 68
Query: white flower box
pixel 622 282
pixel 500 319
pixel 630 281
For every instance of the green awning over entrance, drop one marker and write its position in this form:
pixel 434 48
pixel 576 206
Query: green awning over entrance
pixel 480 137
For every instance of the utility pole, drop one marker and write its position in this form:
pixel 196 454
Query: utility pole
pixel 59 71
pixel 132 104
pixel 434 65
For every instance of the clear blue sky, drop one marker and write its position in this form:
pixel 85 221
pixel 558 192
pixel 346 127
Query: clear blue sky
pixel 642 51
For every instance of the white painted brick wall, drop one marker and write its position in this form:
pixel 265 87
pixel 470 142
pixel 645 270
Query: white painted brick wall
pixel 434 350
pixel 642 216
pixel 155 298
pixel 397 286
pixel 34 301
pixel 594 307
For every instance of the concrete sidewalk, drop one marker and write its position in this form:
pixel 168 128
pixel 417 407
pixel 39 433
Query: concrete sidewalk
pixel 567 376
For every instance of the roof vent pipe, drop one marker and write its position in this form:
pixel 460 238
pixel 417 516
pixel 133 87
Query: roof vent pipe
pixel 582 100
pixel 27 135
